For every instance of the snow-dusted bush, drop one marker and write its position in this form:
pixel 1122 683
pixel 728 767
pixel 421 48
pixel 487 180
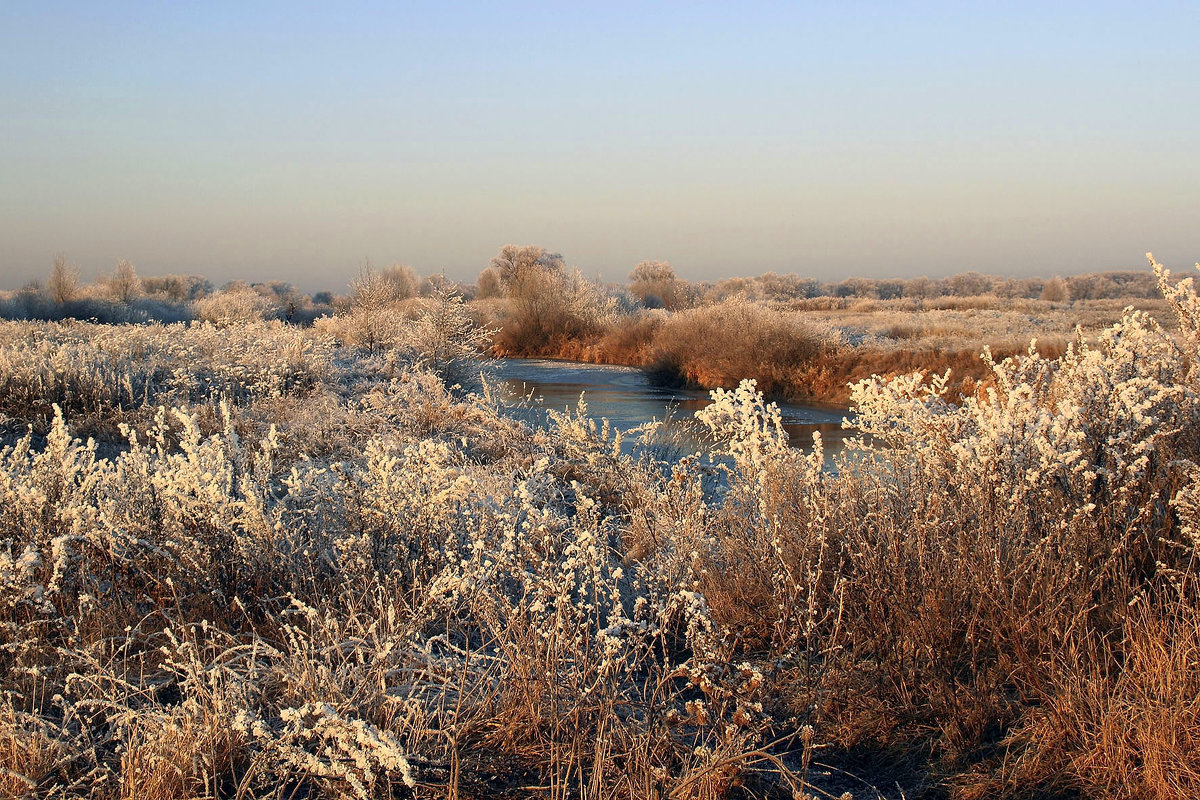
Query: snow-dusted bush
pixel 736 339
pixel 342 627
pixel 232 307
pixel 445 339
pixel 968 574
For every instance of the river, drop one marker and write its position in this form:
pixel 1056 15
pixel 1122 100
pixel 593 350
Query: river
pixel 627 398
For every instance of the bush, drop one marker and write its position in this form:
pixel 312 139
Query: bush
pixel 723 344
pixel 991 582
pixel 445 339
pixel 654 284
pixel 64 280
pixel 631 339
pixel 124 286
pixel 104 375
pixel 191 618
pixel 548 310
pixel 1055 291
pixel 488 284
pixel 233 306
pixel 372 319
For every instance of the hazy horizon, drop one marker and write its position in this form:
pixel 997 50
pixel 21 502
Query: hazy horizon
pixel 294 142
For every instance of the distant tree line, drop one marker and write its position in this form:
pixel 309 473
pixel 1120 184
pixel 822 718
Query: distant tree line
pixel 655 285
pixel 545 298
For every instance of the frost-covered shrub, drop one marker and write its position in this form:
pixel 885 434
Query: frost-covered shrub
pixel 374 319
pixel 547 308
pixel 445 339
pixel 975 559
pixel 232 307
pixel 341 626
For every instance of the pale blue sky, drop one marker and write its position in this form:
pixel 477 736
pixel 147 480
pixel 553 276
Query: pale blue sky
pixel 294 140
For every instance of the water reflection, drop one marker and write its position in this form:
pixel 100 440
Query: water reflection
pixel 627 398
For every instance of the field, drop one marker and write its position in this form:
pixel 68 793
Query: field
pixel 243 558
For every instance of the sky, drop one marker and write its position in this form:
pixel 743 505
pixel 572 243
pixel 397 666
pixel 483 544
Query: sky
pixel 298 141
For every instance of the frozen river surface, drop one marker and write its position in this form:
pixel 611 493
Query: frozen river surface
pixel 627 398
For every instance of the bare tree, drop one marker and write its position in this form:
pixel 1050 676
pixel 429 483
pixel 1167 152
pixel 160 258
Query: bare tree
pixel 124 285
pixel 447 339
pixel 64 280
pixel 1055 290
pixel 514 262
pixel 921 287
pixel 431 285
pixel 372 314
pixel 488 284
pixel 889 288
pixel 177 288
pixel 969 284
pixel 856 287
pixel 403 279
pixel 655 285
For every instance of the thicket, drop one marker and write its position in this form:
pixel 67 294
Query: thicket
pixel 124 297
pixel 340 579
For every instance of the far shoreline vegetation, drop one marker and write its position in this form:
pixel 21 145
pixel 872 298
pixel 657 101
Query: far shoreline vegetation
pixel 799 338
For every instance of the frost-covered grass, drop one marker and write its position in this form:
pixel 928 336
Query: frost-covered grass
pixel 104 374
pixel 319 570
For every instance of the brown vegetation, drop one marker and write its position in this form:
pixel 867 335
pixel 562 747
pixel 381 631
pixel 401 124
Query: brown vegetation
pixel 722 344
pixel 798 339
pixel 980 600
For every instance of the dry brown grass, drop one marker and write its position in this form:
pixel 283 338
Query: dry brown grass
pixel 970 602
pixel 829 379
pixel 720 345
pixel 1132 733
pixel 437 603
pixel 1142 737
pixel 179 757
pixel 29 752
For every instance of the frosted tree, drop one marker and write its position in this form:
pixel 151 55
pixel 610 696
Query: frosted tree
pixel 124 284
pixel 64 280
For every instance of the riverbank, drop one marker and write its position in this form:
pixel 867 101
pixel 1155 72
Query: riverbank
pixel 812 353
